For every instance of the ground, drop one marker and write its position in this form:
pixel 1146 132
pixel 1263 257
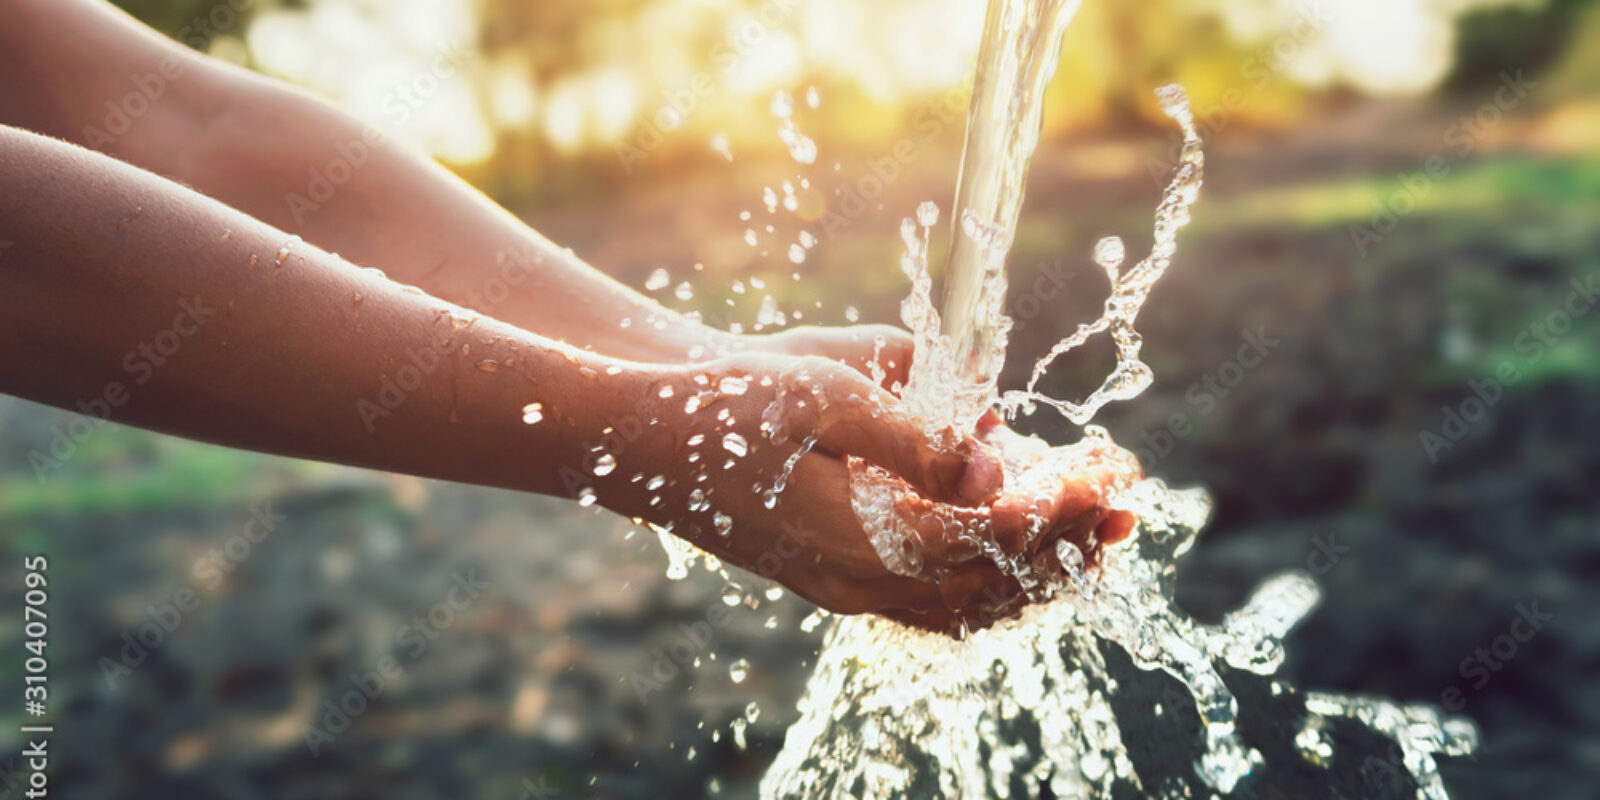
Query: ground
pixel 1308 370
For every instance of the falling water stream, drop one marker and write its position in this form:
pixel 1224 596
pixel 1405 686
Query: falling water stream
pixel 1059 700
pixel 1045 702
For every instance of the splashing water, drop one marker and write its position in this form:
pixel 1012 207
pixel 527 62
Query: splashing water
pixel 1041 701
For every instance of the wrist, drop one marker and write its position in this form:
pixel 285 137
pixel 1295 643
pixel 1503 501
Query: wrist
pixel 614 428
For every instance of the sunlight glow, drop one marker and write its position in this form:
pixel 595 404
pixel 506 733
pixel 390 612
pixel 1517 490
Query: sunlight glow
pixel 406 67
pixel 434 75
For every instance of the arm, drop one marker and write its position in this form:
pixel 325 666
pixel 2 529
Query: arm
pixel 128 293
pixel 253 143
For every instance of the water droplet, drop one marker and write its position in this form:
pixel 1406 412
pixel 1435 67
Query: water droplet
pixel 782 106
pixel 739 670
pixel 605 465
pixel 283 252
pixel 1109 252
pixel 801 147
pixel 797 254
pixel 732 385
pixel 736 444
pixel 813 99
pixel 1070 556
pixel 658 280
pixel 732 595
pixel 684 291
pixel 719 143
pixel 532 413
pixel 488 365
pixel 928 214
pixel 722 522
pixel 851 314
pixel 768 313
pixel 656 483
pixel 811 621
pixel 586 497
pixel 751 712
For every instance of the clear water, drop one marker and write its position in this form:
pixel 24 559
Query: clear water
pixel 1032 702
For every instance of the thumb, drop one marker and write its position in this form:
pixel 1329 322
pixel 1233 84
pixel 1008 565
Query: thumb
pixel 874 426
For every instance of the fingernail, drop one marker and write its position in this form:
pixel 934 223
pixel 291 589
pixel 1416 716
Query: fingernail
pixel 984 476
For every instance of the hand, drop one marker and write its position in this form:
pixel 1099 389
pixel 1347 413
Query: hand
pixel 858 346
pixel 1049 495
pixel 725 432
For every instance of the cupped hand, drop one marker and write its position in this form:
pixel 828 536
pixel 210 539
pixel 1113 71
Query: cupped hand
pixel 729 431
pixel 751 454
pixel 1049 496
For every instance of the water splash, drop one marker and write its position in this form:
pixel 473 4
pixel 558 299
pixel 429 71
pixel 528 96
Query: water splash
pixel 1031 704
pixel 1129 289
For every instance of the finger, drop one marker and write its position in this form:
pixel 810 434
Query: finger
pixel 984 478
pixel 949 534
pixel 862 346
pixel 892 349
pixel 876 429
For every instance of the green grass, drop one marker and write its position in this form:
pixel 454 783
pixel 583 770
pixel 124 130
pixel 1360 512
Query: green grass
pixel 119 470
pixel 1489 189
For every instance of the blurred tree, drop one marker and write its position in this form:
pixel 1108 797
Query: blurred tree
pixel 1531 36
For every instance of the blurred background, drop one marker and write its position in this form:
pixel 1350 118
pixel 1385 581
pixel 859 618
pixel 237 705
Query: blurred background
pixel 1377 349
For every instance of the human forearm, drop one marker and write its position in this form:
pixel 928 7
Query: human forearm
pixel 185 316
pixel 125 295
pixel 260 147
